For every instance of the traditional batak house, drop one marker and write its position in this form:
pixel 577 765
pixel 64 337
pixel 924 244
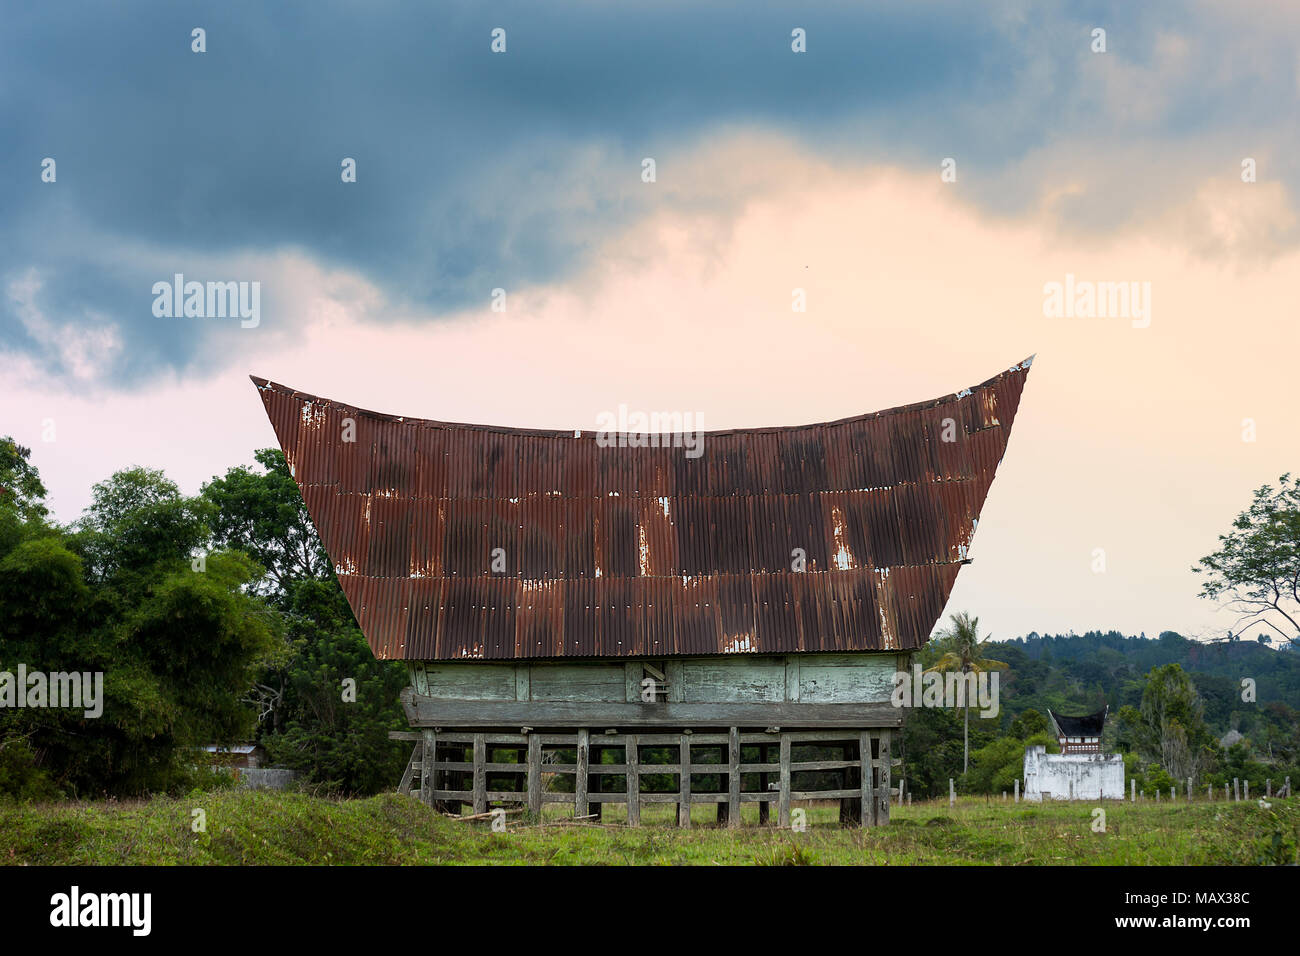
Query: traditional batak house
pixel 564 599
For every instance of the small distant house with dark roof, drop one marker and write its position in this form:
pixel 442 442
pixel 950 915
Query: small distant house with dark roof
pixel 1080 771
pixel 1079 735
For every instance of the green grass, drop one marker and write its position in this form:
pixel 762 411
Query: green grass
pixel 246 827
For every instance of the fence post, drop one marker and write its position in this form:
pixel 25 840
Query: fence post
pixel 1017 797
pixel 952 793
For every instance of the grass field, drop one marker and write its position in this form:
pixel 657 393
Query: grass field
pixel 244 827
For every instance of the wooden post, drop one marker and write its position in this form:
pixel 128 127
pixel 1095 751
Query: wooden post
pixel 1268 787
pixel 535 776
pixel 1236 789
pixel 733 778
pixel 886 773
pixel 684 790
pixel 427 759
pixel 1246 785
pixel 1189 789
pixel 633 761
pixel 480 773
pixel 580 778
pixel 764 754
pixel 952 793
pixel 1017 791
pixel 1132 790
pixel 867 794
pixel 1209 791
pixel 783 794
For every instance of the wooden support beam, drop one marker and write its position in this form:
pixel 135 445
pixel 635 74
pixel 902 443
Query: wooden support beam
pixel 733 778
pixel 535 777
pixel 580 805
pixel 424 711
pixel 886 772
pixel 764 752
pixel 428 758
pixel 783 794
pixel 866 781
pixel 480 774
pixel 633 761
pixel 684 790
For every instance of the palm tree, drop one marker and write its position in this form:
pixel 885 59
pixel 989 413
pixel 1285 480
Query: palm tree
pixel 964 651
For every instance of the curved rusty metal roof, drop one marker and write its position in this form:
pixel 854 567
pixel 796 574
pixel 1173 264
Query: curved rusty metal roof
pixel 645 551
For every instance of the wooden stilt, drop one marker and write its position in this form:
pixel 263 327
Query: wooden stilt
pixel 535 777
pixel 886 775
pixel 633 761
pixel 783 794
pixel 580 805
pixel 480 773
pixel 733 778
pixel 684 790
pixel 866 781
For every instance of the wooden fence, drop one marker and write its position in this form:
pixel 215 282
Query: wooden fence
pixel 463 768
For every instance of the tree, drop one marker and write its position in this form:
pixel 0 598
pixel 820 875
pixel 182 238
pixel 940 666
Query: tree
pixel 962 650
pixel 263 515
pixel 136 520
pixel 1257 566
pixel 304 721
pixel 335 734
pixel 1169 727
pixel 20 484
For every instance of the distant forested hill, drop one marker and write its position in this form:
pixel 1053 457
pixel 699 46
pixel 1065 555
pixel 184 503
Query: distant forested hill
pixel 1077 673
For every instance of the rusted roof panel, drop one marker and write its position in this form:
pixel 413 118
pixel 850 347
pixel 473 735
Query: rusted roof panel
pixel 841 536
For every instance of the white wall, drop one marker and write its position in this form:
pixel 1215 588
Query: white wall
pixel 1081 776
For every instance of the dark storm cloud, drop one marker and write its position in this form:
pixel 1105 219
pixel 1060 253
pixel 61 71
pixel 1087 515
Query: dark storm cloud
pixel 475 169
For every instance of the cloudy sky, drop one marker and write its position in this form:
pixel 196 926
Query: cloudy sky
pixel 775 170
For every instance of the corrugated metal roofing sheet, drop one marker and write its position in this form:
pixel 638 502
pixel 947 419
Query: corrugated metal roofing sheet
pixel 631 551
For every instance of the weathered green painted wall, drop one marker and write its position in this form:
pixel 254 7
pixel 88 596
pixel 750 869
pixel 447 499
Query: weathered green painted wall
pixel 754 679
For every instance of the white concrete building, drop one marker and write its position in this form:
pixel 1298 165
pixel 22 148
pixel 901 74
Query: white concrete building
pixel 1080 771
pixel 1072 776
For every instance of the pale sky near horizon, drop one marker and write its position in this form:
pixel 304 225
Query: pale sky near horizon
pixel 775 171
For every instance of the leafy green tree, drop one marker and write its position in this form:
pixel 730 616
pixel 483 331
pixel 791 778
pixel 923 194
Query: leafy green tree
pixel 138 519
pixel 340 702
pixel 263 515
pixel 1257 566
pixel 305 722
pixel 1169 728
pixel 961 649
pixel 21 489
pixel 1027 724
pixel 175 646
